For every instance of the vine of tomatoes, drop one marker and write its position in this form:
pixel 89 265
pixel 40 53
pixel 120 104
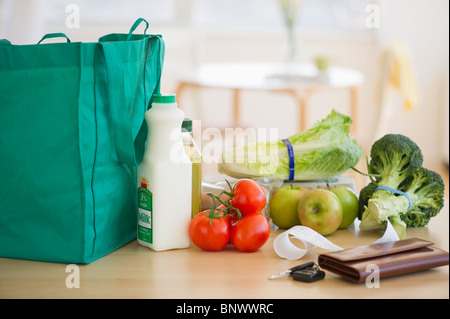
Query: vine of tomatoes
pixel 237 220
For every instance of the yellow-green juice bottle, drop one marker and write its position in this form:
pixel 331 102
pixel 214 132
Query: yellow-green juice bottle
pixel 194 154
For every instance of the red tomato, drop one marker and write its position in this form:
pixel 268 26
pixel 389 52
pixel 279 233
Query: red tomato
pixel 232 217
pixel 248 197
pixel 207 234
pixel 250 232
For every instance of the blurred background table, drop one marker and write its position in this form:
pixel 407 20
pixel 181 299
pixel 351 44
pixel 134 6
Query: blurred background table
pixel 300 81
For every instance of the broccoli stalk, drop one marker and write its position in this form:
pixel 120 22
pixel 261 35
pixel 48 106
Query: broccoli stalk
pixel 369 221
pixel 382 206
pixel 399 226
pixel 397 163
pixel 385 204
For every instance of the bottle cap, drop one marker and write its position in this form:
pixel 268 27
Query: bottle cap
pixel 187 125
pixel 163 98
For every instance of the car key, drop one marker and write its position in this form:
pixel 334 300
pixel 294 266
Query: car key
pixel 293 269
pixel 308 275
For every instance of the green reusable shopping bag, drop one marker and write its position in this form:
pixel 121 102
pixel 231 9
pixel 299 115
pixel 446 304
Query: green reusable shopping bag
pixel 72 133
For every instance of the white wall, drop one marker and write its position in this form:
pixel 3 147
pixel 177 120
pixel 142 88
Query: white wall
pixel 424 25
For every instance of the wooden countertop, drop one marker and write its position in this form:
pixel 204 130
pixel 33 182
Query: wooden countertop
pixel 134 271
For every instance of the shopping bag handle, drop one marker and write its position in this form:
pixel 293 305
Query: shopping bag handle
pixel 154 55
pixel 135 25
pixel 54 35
pixel 117 104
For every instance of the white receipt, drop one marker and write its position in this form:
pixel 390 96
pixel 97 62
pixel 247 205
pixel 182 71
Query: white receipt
pixel 311 239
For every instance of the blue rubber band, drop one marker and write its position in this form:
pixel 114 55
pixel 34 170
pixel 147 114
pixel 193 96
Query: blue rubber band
pixel 291 159
pixel 396 191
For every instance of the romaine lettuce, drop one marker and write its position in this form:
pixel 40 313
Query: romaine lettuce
pixel 325 150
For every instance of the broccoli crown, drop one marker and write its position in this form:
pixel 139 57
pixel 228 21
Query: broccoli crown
pixel 393 158
pixel 426 189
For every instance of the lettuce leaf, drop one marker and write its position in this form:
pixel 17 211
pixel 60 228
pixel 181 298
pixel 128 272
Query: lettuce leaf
pixel 323 151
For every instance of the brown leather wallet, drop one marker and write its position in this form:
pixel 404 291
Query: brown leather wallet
pixel 391 258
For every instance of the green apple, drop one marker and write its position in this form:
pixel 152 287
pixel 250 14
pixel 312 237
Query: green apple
pixel 320 210
pixel 283 205
pixel 349 203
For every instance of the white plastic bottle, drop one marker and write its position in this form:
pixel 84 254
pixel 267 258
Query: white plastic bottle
pixel 164 180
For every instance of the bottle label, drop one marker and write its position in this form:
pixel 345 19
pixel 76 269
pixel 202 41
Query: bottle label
pixel 144 232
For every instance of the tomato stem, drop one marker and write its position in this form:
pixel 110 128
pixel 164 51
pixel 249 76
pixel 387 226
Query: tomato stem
pixel 228 208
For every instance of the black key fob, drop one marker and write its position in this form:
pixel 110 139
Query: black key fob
pixel 308 274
